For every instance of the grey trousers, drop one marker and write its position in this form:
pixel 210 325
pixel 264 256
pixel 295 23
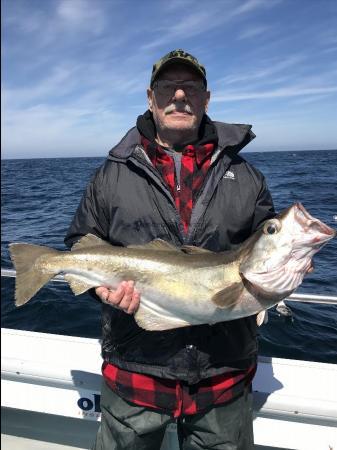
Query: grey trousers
pixel 125 426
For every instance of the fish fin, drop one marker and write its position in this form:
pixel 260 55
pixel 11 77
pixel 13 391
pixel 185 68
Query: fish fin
pixel 191 249
pixel 77 284
pixel 89 240
pixel 284 309
pixel 228 296
pixel 156 244
pixel 262 317
pixel 29 276
pixel 151 321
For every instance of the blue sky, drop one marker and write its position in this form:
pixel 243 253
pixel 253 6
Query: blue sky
pixel 75 72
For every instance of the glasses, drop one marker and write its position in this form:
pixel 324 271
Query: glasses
pixel 168 87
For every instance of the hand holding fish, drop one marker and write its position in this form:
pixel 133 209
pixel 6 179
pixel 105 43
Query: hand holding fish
pixel 125 297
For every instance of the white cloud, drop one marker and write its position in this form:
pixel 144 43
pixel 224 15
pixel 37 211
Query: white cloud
pixel 202 19
pixel 82 14
pixel 269 68
pixel 194 24
pixel 252 5
pixel 42 130
pixel 253 31
pixel 290 91
pixel 60 81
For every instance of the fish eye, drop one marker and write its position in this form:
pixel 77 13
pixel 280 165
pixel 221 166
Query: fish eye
pixel 272 227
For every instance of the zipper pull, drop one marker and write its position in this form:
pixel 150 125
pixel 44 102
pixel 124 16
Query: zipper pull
pixel 178 187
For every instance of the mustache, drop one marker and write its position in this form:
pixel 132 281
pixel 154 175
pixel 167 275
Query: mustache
pixel 174 107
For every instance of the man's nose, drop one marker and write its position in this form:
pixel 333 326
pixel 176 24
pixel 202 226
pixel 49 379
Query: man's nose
pixel 180 95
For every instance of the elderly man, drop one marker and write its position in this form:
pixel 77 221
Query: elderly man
pixel 175 176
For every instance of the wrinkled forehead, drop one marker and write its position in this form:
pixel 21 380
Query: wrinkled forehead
pixel 179 72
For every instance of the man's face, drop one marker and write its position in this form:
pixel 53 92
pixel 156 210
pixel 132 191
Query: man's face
pixel 178 107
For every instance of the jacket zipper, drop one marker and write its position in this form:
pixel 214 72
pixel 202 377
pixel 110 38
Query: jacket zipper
pixel 192 229
pixel 145 165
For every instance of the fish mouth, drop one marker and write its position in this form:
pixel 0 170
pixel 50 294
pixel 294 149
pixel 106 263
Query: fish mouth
pixel 322 231
pixel 283 271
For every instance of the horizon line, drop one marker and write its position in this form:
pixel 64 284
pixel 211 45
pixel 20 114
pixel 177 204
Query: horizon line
pixel 104 156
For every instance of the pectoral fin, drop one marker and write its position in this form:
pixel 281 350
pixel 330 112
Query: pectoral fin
pixel 228 297
pixel 262 317
pixel 284 309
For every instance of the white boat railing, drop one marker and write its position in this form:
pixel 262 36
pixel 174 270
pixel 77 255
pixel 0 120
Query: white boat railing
pixel 295 297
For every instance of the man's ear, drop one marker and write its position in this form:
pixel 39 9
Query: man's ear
pixel 150 98
pixel 208 96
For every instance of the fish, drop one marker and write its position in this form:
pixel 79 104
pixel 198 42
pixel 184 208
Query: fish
pixel 187 285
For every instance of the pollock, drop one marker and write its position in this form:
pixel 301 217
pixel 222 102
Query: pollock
pixel 185 286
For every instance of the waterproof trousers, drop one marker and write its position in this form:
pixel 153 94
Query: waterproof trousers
pixel 125 426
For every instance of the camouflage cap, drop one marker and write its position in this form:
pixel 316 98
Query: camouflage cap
pixel 178 56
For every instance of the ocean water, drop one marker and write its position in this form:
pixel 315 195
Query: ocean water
pixel 40 196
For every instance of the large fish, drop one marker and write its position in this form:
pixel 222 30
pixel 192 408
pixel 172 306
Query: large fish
pixel 185 286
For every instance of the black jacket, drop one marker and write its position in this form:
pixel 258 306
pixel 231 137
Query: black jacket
pixel 127 203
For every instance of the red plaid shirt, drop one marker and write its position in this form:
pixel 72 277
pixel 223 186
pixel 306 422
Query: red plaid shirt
pixel 195 162
pixel 174 396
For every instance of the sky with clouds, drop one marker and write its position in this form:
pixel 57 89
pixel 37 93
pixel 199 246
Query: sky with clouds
pixel 75 72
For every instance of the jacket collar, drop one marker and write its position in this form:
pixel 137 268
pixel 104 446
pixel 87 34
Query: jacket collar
pixel 231 137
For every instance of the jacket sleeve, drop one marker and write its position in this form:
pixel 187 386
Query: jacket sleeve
pixel 264 207
pixel 91 215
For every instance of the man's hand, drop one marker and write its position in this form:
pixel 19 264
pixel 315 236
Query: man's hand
pixel 125 297
pixel 311 268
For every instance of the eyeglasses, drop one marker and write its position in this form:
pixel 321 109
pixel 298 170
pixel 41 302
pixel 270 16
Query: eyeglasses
pixel 168 87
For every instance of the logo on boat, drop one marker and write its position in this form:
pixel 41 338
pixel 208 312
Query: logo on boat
pixel 229 175
pixel 90 406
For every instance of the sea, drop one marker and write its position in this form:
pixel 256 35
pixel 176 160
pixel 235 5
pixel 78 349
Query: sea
pixel 40 196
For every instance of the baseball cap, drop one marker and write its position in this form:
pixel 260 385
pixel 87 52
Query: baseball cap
pixel 178 56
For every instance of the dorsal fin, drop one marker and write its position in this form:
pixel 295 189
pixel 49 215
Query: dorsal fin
pixel 228 297
pixel 89 240
pixel 157 244
pixel 192 250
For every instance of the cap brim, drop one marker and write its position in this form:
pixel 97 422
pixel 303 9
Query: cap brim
pixel 177 60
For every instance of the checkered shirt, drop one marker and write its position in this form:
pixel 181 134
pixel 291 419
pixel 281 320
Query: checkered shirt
pixel 195 162
pixel 176 397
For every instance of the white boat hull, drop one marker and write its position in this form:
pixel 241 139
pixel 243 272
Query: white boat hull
pixel 51 390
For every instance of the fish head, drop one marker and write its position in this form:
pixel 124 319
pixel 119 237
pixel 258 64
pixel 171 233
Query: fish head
pixel 279 254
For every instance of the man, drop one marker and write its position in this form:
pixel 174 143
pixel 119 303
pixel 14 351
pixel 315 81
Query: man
pixel 175 176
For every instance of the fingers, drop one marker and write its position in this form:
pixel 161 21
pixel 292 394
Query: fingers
pixel 102 293
pixel 125 297
pixel 311 268
pixel 134 304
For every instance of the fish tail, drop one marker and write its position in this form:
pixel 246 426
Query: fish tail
pixel 30 274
